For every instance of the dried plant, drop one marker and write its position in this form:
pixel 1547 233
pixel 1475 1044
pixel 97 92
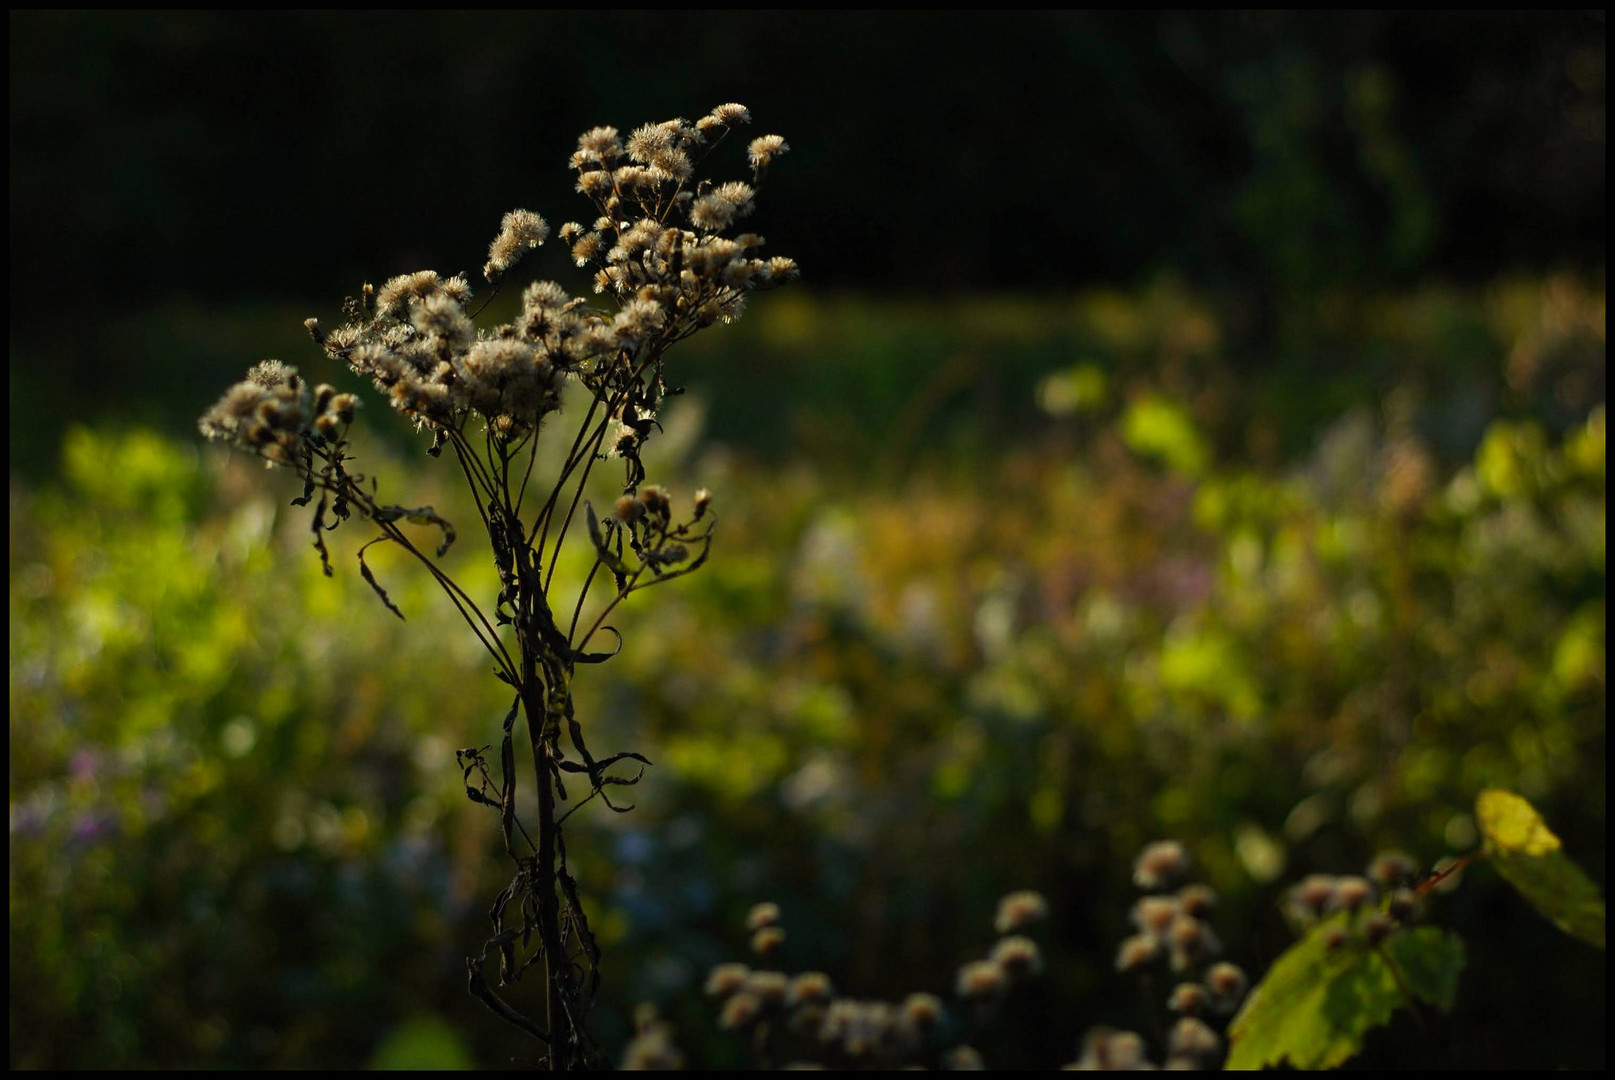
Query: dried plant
pixel 802 1021
pixel 667 263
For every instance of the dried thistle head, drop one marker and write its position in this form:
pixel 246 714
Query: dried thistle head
pixel 1227 983
pixel 1160 865
pixel 519 233
pixel 740 1011
pixel 980 979
pixel 1138 951
pixel 1105 1050
pixel 1193 1040
pixel 665 262
pixel 1018 957
pixel 1019 911
pixel 809 988
pixel 768 941
pixel 266 414
pixel 1154 914
pixel 769 987
pixel 726 979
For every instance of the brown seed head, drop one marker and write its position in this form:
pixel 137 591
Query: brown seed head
pixel 725 979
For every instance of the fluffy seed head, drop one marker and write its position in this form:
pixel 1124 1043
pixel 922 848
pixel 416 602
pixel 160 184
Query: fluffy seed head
pixel 1309 898
pixel 1193 1038
pixel 1392 868
pixel 1018 957
pixel 456 288
pixel 725 979
pixel 1192 940
pixel 1020 910
pixel 544 296
pixel 272 374
pixel 980 979
pixel 767 941
pixel 1196 900
pixel 762 151
pixel 1137 951
pixel 739 1011
pixel 266 414
pixel 1350 894
pixel 1404 905
pixel 397 292
pixel 1154 914
pixel 768 986
pixel 648 141
pixel 674 164
pixel 601 143
pixel 596 184
pixel 922 1011
pixel 766 913
pixel 711 214
pixel 1160 864
pixel 1106 1051
pixel 806 1021
pixel 519 232
pixel 1377 927
pixel 1227 983
pixel 963 1059
pixel 1189 999
pixel 442 316
pixel 588 247
pixel 810 987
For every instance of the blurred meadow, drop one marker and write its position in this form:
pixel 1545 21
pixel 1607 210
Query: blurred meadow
pixel 1186 426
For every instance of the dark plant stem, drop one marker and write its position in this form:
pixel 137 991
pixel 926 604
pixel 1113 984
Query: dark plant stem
pixel 534 703
pixel 532 615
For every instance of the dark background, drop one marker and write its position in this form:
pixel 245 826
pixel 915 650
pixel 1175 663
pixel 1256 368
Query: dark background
pixel 205 162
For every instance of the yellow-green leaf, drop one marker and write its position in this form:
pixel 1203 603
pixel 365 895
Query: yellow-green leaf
pixel 1316 1003
pixel 1529 856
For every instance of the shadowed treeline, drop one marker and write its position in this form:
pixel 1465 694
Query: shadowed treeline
pixel 194 160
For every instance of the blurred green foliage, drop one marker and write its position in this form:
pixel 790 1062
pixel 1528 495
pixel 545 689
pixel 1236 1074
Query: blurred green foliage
pixel 928 663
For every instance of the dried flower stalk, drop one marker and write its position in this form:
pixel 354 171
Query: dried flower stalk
pixel 666 264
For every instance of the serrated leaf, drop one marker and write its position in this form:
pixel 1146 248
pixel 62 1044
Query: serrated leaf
pixel 1529 856
pixel 1316 1003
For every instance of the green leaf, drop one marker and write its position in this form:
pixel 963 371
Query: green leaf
pixel 1429 961
pixel 1527 854
pixel 1316 1003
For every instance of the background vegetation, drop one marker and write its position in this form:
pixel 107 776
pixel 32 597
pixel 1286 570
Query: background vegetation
pixel 1204 439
